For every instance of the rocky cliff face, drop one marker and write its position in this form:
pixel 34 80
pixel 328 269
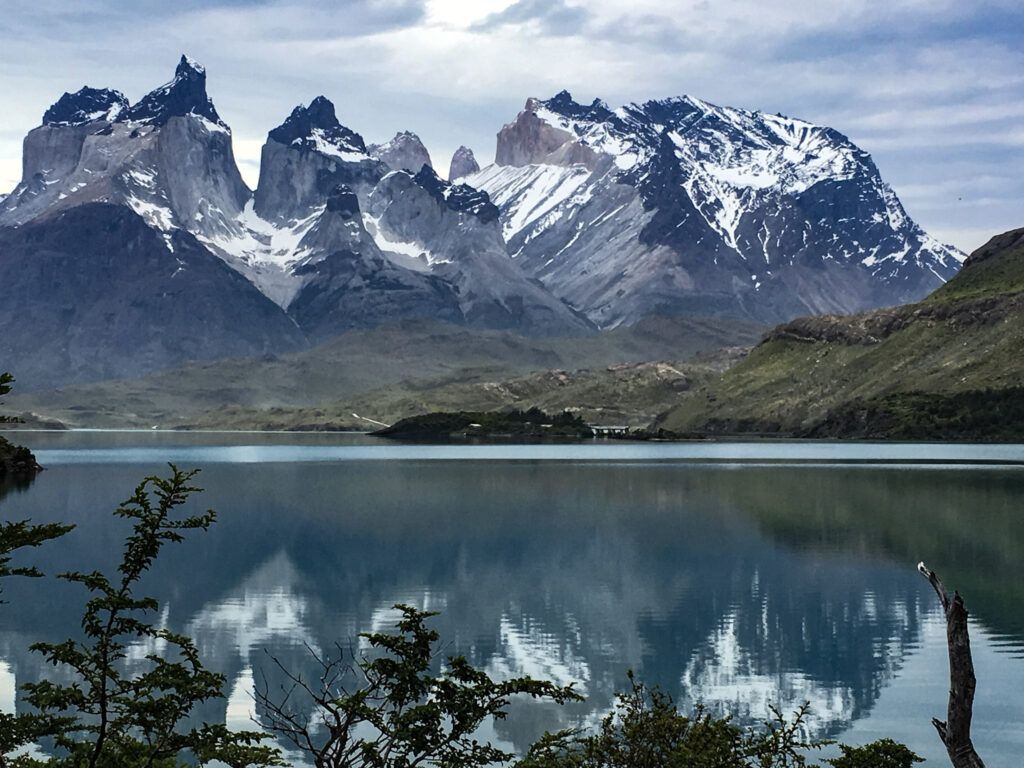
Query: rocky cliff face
pixel 683 207
pixel 532 140
pixel 404 152
pixel 17 464
pixel 305 158
pixel 168 158
pixel 452 232
pixel 463 164
pixel 93 292
pixel 349 283
pixel 301 243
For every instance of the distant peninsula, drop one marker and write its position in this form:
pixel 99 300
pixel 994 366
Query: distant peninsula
pixel 533 424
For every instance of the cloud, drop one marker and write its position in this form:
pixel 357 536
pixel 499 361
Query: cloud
pixel 931 88
pixel 550 17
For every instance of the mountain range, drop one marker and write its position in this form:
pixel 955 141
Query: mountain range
pixel 132 243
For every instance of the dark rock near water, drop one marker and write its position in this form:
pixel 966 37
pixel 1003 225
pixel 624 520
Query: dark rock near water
pixel 16 462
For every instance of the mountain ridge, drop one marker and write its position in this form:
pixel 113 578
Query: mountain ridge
pixel 737 212
pixel 595 221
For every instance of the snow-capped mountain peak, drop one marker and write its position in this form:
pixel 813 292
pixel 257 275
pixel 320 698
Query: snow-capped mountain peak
pixel 184 95
pixel 404 152
pixel 691 207
pixel 86 105
pixel 316 128
pixel 461 198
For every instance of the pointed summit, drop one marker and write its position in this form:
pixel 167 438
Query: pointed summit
pixel 463 164
pixel 340 227
pixel 563 104
pixel 184 95
pixel 562 97
pixel 461 198
pixel 316 127
pixel 188 66
pixel 85 106
pixel 404 152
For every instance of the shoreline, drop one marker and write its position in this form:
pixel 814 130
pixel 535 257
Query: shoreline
pixel 711 439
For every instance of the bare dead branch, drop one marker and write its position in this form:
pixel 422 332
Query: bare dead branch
pixel 955 732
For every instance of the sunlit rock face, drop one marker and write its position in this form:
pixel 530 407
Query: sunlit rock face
pixel 404 152
pixel 680 206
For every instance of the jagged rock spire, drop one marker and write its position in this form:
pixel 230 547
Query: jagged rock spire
pixel 463 164
pixel 184 95
pixel 404 152
pixel 457 197
pixel 317 127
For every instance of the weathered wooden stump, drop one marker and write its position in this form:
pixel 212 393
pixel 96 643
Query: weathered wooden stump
pixel 955 732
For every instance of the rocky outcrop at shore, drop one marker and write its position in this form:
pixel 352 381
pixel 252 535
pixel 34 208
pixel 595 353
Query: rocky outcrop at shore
pixel 16 462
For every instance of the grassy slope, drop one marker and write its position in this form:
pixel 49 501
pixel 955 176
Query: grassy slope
pixel 628 393
pixel 384 371
pixel 865 375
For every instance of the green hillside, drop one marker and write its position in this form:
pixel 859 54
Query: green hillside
pixel 949 367
pixel 392 372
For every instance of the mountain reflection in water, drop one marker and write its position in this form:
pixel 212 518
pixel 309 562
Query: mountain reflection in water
pixel 738 586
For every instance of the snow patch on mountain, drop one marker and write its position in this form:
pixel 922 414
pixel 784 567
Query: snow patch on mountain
pixel 725 193
pixel 325 145
pixel 265 252
pixel 533 195
pixel 404 253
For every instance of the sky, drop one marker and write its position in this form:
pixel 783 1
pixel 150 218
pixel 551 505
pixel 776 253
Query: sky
pixel 933 89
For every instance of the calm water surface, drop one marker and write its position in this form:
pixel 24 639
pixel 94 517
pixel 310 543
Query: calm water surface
pixel 740 575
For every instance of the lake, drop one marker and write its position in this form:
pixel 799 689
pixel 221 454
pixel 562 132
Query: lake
pixel 736 574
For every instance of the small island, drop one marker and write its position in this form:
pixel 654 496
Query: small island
pixel 16 462
pixel 532 424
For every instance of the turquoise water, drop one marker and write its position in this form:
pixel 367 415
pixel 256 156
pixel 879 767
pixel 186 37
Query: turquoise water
pixel 736 574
